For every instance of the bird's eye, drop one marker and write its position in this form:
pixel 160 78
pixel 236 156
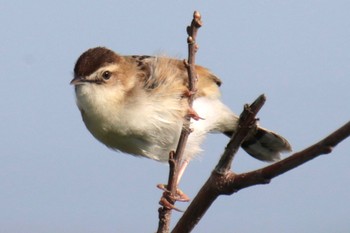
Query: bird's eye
pixel 106 75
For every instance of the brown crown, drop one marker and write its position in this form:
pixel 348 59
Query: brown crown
pixel 93 59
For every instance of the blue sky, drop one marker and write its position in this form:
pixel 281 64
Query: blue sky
pixel 55 177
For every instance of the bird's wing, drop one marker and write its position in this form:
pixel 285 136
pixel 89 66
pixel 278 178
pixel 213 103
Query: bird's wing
pixel 157 72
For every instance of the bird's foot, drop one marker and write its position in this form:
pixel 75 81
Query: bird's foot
pixel 168 199
pixel 179 196
pixel 193 114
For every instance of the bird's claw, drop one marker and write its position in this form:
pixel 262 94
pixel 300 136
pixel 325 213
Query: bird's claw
pixel 193 114
pixel 166 204
pixel 179 196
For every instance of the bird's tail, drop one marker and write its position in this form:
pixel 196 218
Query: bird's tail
pixel 265 145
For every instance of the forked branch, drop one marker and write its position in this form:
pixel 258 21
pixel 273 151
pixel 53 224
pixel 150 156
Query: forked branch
pixel 228 183
pixel 217 182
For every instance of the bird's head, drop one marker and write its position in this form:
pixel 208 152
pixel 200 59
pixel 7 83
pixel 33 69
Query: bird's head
pixel 96 66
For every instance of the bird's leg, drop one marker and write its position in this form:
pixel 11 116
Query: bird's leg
pixel 179 196
pixel 191 112
pixel 182 170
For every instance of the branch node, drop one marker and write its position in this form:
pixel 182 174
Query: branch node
pixel 185 63
pixel 196 47
pixel 266 181
pixel 190 40
pixel 328 149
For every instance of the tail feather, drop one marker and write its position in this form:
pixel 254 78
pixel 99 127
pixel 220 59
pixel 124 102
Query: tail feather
pixel 265 145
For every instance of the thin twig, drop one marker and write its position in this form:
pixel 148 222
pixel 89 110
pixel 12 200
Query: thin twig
pixel 264 175
pixel 177 160
pixel 246 122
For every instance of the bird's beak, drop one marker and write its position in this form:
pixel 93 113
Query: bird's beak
pixel 77 80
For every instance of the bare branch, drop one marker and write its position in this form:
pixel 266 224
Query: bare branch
pixel 176 162
pixel 164 214
pixel 228 183
pixel 223 181
pixel 264 175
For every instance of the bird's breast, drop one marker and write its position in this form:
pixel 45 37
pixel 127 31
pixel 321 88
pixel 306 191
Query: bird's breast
pixel 143 126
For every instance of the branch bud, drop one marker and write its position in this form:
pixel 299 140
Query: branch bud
pixel 190 40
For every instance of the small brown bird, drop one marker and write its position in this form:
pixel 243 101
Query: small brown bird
pixel 137 104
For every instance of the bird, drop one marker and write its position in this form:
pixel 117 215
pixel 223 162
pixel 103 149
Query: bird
pixel 137 105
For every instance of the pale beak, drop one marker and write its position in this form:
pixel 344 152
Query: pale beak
pixel 77 80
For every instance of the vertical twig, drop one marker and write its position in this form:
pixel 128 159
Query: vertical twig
pixel 176 160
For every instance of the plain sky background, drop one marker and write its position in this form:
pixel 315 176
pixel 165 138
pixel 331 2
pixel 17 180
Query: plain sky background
pixel 55 177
